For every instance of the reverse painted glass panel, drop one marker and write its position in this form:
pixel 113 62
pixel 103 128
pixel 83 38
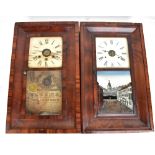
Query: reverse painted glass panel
pixel 114 92
pixel 44 92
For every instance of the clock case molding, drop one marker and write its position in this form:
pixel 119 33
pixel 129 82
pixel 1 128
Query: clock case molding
pixel 78 87
pixel 142 119
pixel 18 121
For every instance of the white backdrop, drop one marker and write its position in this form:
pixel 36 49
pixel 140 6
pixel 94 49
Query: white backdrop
pixel 28 144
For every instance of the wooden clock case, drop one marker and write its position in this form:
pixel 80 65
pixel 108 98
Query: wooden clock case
pixel 18 121
pixel 142 119
pixel 79 96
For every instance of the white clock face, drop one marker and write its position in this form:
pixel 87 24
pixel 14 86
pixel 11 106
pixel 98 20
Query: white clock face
pixel 112 52
pixel 45 52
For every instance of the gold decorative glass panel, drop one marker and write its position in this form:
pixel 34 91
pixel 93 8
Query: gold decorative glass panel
pixel 44 92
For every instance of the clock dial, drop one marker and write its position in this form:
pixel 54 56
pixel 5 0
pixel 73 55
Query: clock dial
pixel 45 52
pixel 112 52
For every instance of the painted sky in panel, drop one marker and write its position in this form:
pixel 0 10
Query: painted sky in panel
pixel 117 78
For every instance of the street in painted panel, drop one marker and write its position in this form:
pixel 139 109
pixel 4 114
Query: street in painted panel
pixel 114 92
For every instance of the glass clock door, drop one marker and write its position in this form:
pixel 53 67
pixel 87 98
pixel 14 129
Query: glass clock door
pixel 114 86
pixel 44 82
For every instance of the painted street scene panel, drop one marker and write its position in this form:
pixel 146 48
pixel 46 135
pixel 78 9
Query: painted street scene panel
pixel 114 92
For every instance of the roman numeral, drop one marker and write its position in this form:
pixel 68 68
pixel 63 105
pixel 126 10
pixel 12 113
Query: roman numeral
pixel 40 62
pixel 105 43
pixel 111 42
pixel 35 47
pixel 57 46
pixel 99 52
pixel 40 43
pixel 46 41
pixel 35 58
pixel 100 58
pixel 118 63
pixel 46 65
pixel 121 48
pixel 52 42
pixel 58 52
pixel 117 43
pixel 105 64
pixel 122 59
pixel 123 53
pixel 112 64
pixel 57 58
pixel 100 46
pixel 37 50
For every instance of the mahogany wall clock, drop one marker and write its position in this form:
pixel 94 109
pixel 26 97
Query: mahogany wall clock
pixel 44 92
pixel 45 87
pixel 115 93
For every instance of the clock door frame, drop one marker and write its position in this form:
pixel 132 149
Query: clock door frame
pixel 128 37
pixel 142 119
pixel 18 120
